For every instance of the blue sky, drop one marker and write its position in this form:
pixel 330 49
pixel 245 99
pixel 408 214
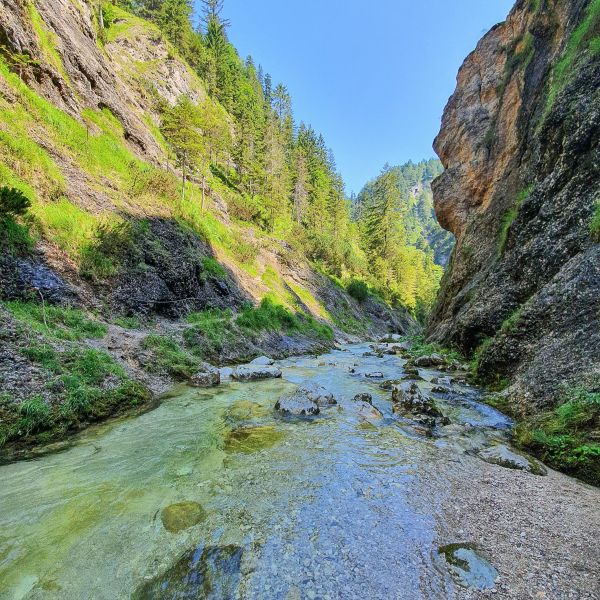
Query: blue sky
pixel 373 77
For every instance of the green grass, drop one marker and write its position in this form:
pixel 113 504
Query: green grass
pixel 15 238
pixel 270 316
pixel 212 268
pixel 595 223
pixel 56 321
pixel 84 385
pixel 167 356
pixel 510 216
pixel 585 37
pixel 566 438
pixel 128 322
pixel 418 347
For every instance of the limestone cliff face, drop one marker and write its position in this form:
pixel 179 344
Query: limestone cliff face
pixel 520 142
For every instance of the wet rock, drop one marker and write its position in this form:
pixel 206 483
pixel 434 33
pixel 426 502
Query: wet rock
pixel 447 381
pixel 410 369
pixel 367 411
pixel 374 375
pixel 262 360
pixel 505 457
pixel 252 372
pixel 252 438
pixel 207 376
pixel 440 389
pixel 183 515
pixel 388 384
pixel 364 397
pixel 432 360
pixel 392 337
pixel 410 402
pixel 411 377
pixel 305 401
pixel 213 573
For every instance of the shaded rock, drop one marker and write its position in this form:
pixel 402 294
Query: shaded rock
pixel 410 369
pixel 503 456
pixel 364 397
pixel 318 394
pixel 467 567
pixel 255 372
pixel 207 376
pixel 182 515
pixel 411 377
pixel 392 337
pixel 433 360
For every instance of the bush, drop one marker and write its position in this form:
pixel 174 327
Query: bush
pixel 595 224
pixel 566 438
pixel 212 268
pixel 359 290
pixel 14 236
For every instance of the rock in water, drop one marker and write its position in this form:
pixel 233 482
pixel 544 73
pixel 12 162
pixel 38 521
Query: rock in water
pixel 410 402
pixel 252 372
pixel 262 360
pixel 183 515
pixel 364 397
pixel 207 376
pixel 305 401
pixel 374 375
pixel 367 411
pixel 505 457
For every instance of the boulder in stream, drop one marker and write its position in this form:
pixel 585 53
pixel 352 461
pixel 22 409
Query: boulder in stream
pixel 367 411
pixel 305 401
pixel 183 515
pixel 207 376
pixel 364 397
pixel 410 402
pixel 374 375
pixel 503 456
pixel 255 372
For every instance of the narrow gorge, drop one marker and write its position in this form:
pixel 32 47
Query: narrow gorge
pixel 223 376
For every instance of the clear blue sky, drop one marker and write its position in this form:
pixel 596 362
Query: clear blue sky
pixel 372 76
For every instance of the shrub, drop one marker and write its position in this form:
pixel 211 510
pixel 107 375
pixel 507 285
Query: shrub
pixel 595 224
pixel 212 268
pixel 359 290
pixel 14 236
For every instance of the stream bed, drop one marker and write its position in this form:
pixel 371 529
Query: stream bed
pixel 215 495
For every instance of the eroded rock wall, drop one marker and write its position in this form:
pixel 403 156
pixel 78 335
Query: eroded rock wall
pixel 520 142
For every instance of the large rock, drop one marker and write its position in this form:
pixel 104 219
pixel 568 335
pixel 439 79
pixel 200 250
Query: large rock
pixel 409 401
pixel 505 457
pixel 306 400
pixel 207 376
pixel 367 411
pixel 363 397
pixel 255 372
pixel 431 360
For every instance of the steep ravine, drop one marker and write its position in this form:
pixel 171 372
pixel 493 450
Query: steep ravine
pixel 520 143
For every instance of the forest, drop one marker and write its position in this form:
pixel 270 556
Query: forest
pixel 283 175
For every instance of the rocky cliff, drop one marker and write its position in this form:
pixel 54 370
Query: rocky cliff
pixel 520 142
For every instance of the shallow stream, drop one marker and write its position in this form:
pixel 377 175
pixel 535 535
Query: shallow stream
pixel 213 495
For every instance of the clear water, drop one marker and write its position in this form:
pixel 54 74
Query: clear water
pixel 334 507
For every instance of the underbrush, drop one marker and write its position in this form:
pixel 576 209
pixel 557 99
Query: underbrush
pixel 84 385
pixel 418 347
pixel 568 437
pixel 167 356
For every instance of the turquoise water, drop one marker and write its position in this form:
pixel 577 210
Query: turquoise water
pixel 334 507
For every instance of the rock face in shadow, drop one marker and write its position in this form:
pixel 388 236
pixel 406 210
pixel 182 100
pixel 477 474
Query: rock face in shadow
pixel 520 145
